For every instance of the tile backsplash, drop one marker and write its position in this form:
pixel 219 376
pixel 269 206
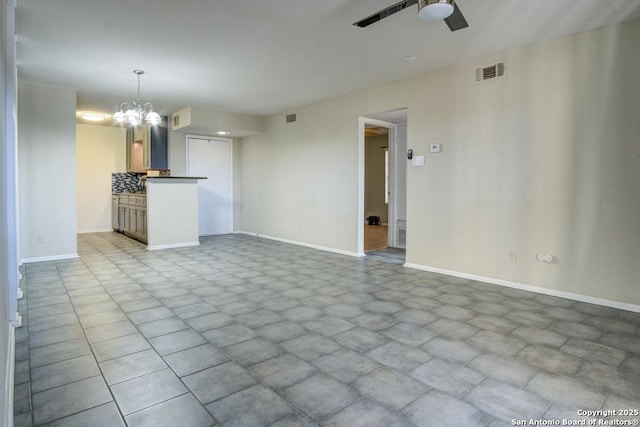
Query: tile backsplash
pixel 126 182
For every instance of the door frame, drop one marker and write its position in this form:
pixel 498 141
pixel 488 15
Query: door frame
pixel 362 121
pixel 394 177
pixel 231 170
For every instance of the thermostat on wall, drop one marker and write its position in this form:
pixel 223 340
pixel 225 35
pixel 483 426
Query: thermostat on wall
pixel 435 148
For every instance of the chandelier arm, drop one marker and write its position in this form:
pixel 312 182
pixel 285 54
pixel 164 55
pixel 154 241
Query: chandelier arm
pixel 135 111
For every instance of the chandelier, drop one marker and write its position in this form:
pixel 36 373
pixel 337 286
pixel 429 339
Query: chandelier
pixel 136 112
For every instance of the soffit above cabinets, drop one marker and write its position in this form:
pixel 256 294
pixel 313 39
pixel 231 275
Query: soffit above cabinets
pixel 215 122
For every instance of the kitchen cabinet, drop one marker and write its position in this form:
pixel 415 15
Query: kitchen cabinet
pixel 132 215
pixel 115 211
pixel 135 150
pixel 138 217
pixel 141 222
pixel 123 214
pixel 147 147
pixel 131 220
pixel 157 146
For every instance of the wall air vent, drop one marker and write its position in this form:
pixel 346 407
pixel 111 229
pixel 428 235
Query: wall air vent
pixel 176 121
pixel 402 237
pixel 491 72
pixel 291 118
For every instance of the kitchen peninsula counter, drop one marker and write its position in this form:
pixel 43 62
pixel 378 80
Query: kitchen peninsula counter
pixel 172 211
pixel 174 177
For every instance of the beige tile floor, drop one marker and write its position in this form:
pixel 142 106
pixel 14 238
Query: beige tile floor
pixel 242 331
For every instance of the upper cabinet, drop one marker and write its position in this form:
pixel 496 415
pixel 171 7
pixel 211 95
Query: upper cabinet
pixel 134 151
pixel 158 146
pixel 147 147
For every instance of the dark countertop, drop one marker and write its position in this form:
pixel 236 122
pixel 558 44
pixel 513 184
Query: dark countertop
pixel 176 177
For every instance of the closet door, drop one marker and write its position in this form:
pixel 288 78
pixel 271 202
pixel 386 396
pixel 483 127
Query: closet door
pixel 212 158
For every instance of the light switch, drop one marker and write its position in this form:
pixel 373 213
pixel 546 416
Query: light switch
pixel 435 148
pixel 417 161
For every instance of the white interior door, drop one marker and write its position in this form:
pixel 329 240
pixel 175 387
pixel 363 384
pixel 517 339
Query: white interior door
pixel 212 158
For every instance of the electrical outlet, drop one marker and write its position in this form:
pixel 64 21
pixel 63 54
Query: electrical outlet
pixel 546 258
pixel 38 238
pixel 512 256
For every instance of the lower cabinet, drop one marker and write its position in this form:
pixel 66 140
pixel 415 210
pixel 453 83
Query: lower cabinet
pixel 141 222
pixel 132 216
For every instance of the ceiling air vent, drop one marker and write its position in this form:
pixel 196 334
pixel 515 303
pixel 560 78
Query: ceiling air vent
pixel 490 72
pixel 291 118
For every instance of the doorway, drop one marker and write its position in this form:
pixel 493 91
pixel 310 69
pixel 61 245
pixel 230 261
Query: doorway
pixel 388 185
pixel 376 187
pixel 212 158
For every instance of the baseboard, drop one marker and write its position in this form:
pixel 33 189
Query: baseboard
pixel 306 245
pixel 49 258
pixel 172 246
pixel 537 289
pixel 7 416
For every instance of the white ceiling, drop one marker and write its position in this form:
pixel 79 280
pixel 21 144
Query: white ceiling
pixel 268 56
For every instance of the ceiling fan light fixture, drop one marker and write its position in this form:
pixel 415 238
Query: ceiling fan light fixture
pixel 434 10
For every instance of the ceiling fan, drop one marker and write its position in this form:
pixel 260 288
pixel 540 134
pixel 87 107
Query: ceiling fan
pixel 429 10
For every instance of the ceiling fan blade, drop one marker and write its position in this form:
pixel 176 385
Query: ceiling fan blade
pixel 385 12
pixel 456 21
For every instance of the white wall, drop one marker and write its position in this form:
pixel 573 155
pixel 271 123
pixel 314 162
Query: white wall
pixel 101 150
pixel 545 160
pixel 8 232
pixel 177 151
pixel 47 171
pixel 299 181
pixel 541 161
